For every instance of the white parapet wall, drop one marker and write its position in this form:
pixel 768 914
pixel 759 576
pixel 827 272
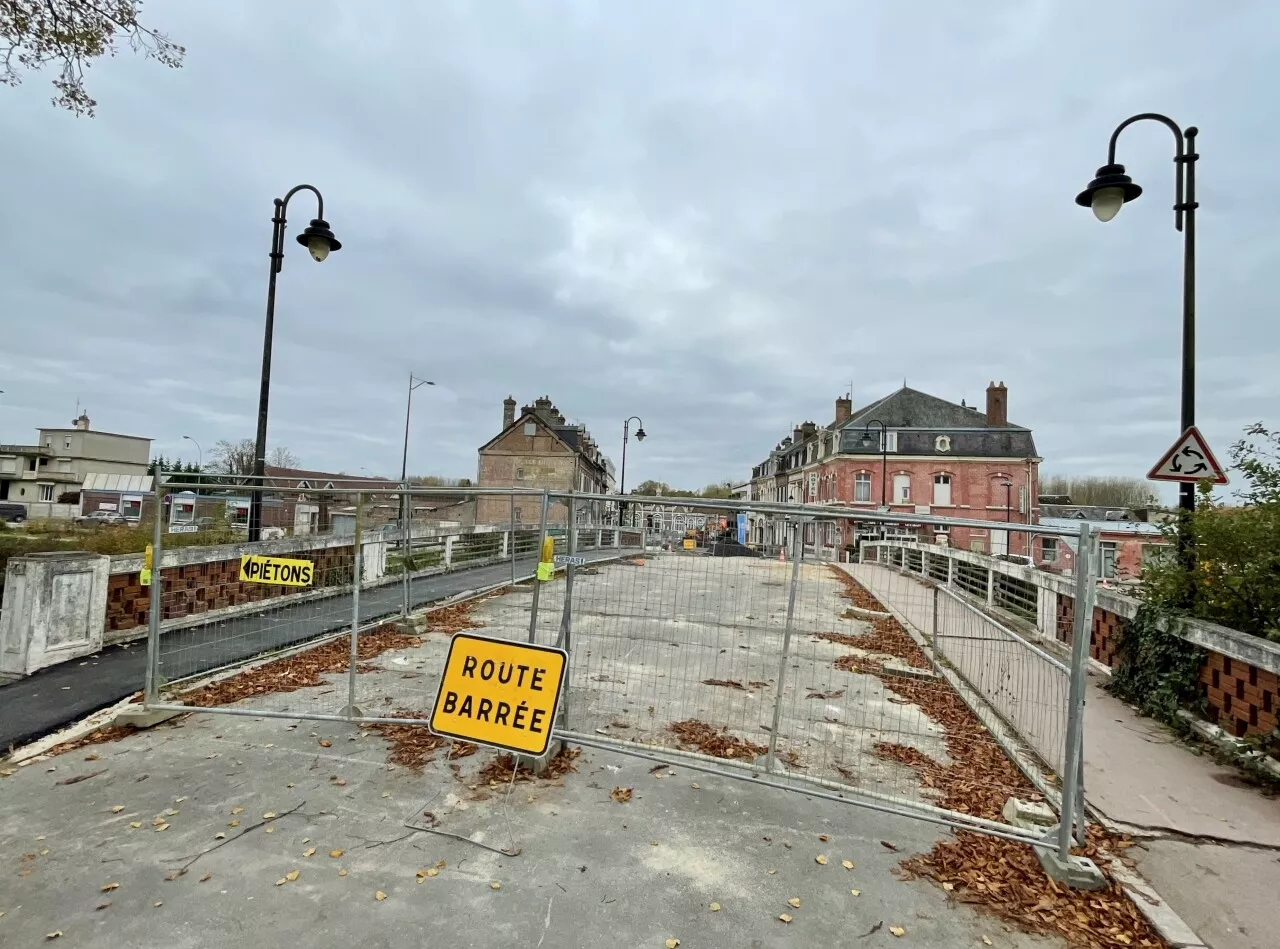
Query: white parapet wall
pixel 54 605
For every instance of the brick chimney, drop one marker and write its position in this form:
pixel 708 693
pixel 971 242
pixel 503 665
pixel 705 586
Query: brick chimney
pixel 844 409
pixel 997 404
pixel 808 428
pixel 82 423
pixel 508 412
pixel 797 433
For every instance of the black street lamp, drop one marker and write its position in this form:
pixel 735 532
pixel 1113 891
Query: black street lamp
pixel 622 476
pixel 866 442
pixel 319 240
pixel 1109 191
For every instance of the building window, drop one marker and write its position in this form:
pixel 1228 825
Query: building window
pixel 942 443
pixel 862 486
pixel 942 490
pixel 902 488
pixel 1155 554
pixel 519 474
pixel 46 492
pixel 1049 549
pixel 889 441
pixel 184 512
pixel 66 443
pixel 1110 554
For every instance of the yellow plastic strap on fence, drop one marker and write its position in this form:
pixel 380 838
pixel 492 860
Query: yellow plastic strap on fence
pixel 546 565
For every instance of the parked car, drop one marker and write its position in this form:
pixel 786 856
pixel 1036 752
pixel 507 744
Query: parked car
pixel 13 513
pixel 96 518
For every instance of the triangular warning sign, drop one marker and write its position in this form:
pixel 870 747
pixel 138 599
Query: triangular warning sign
pixel 1188 460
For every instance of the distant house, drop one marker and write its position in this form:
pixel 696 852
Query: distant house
pixel 1127 540
pixel 540 449
pixel 63 458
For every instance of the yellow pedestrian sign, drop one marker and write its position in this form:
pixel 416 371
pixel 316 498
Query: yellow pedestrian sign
pixel 499 693
pixel 277 570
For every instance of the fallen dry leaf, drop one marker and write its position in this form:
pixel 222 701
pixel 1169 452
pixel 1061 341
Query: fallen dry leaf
pixel 53 935
pixel 948 886
pixel 325 743
pixel 219 836
pixel 342 871
pixel 433 871
pixel 335 854
pixel 293 875
pixel 135 824
pixel 888 846
pixel 117 808
pixel 856 892
pixel 847 864
pixel 772 871
pixel 785 917
pixel 794 902
pixel 171 812
pixel 495 885
pixel 672 943
pixel 108 887
pixel 270 830
pixel 379 896
pixel 986 941
pixel 233 823
pixel 103 905
pixel 340 782
pixel 821 858
pixel 696 786
pixel 714 907
pixel 158 903
pixel 309 852
pixel 897 930
pixel 281 882
pixel 178 800
pixel 268 815
pixel 421 874
pixel 162 827
pixel 621 795
pixel 236 810
pixel 206 878
pixel 823 837
pixel 158 821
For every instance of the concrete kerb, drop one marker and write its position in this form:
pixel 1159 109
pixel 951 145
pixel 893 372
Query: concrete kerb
pixel 1171 927
pixel 73 732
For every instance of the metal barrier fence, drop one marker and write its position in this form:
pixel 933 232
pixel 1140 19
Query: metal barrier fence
pixel 872 683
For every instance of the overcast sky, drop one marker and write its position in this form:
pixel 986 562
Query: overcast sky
pixel 715 215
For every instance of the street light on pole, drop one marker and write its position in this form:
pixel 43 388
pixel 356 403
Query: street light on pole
pixel 414 383
pixel 318 239
pixel 865 441
pixel 200 463
pixel 622 476
pixel 1110 190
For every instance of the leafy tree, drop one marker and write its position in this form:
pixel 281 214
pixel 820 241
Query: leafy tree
pixel 1113 491
pixel 72 34
pixel 718 489
pixel 236 458
pixel 281 457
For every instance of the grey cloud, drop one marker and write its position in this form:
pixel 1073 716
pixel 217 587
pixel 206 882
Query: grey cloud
pixel 714 215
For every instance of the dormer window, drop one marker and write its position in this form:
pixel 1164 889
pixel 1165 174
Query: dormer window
pixel 942 443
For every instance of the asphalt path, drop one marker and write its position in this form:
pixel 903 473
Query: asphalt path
pixel 51 698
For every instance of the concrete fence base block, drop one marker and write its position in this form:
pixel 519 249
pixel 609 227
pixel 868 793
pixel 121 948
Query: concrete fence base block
pixel 539 765
pixel 861 613
pixel 1029 815
pixel 1079 873
pixel 908 672
pixel 139 716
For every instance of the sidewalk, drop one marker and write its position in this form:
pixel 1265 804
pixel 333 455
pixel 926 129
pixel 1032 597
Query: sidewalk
pixel 1209 841
pixel 42 703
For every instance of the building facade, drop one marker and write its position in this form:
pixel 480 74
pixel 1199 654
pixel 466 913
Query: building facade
pixel 538 448
pixel 63 458
pixel 909 453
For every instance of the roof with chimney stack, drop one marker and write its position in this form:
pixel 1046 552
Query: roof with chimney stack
pixel 575 436
pixel 919 417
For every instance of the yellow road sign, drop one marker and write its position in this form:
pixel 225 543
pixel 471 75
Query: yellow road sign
pixel 277 570
pixel 499 693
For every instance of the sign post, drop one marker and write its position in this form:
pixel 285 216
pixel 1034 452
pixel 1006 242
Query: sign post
pixel 499 693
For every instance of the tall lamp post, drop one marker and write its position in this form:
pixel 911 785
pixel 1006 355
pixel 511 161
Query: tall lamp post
pixel 406 510
pixel 622 476
pixel 319 240
pixel 865 441
pixel 200 463
pixel 1110 189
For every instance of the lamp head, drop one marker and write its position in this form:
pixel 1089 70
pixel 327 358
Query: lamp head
pixel 1108 191
pixel 640 434
pixel 318 239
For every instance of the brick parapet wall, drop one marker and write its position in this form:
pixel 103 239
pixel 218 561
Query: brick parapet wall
pixel 200 587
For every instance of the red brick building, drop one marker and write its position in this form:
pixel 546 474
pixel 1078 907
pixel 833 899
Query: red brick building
pixel 912 453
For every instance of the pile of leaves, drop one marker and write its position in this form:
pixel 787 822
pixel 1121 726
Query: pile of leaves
pixel 96 737
pixel 855 591
pixel 302 670
pixel 500 769
pixel 997 875
pixel 454 619
pixel 888 638
pixel 718 744
pixel 412 744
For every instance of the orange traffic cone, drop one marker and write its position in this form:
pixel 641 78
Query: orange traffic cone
pixel 782 555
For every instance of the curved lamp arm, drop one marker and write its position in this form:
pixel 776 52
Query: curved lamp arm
pixel 1183 148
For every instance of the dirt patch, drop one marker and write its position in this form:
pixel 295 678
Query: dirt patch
pixel 413 744
pixel 718 744
pixel 300 671
pixel 1000 876
pixel 726 683
pixel 499 770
